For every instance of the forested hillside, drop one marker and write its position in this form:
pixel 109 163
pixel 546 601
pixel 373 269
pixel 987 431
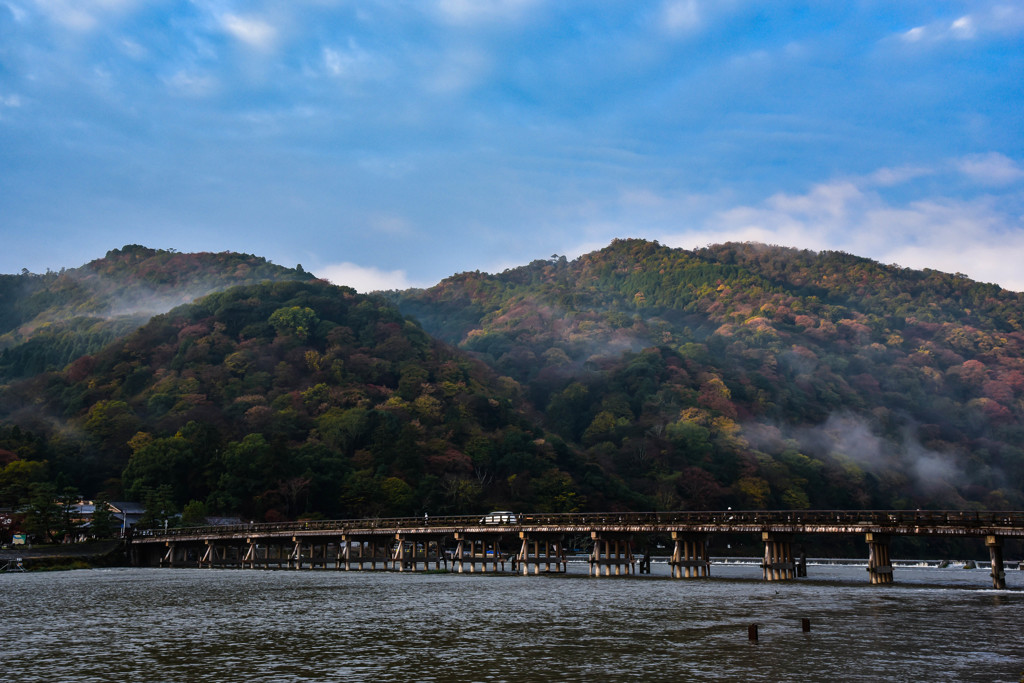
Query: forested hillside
pixel 636 377
pixel 47 320
pixel 276 400
pixel 758 376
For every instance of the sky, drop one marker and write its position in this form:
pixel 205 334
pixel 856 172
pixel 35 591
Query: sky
pixel 390 144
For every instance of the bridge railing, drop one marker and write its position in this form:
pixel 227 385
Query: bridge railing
pixel 721 519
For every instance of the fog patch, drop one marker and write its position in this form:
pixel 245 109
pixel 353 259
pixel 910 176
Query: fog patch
pixel 849 438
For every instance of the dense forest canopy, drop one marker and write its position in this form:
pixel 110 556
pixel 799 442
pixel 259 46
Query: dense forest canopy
pixel 635 377
pixel 48 320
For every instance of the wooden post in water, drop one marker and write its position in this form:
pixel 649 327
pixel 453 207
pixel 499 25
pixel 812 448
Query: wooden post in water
pixel 995 552
pixel 879 564
pixel 690 556
pixel 610 550
pixel 168 557
pixel 778 556
pixel 398 558
pixel 207 557
pixel 250 555
pixel 532 551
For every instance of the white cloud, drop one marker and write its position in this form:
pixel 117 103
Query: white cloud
pixel 681 16
pixel 977 237
pixel 999 20
pixel 888 177
pixel 11 101
pixel 252 31
pixel 914 35
pixel 352 63
pixel 963 28
pixel 17 12
pixel 79 15
pixel 367 279
pixel 991 169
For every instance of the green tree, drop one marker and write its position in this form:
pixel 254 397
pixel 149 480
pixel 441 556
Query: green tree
pixel 160 462
pixel 160 508
pixel 42 516
pixel 194 513
pixel 17 479
pixel 68 502
pixel 297 321
pixel 103 523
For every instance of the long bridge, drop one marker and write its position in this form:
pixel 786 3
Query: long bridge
pixel 527 542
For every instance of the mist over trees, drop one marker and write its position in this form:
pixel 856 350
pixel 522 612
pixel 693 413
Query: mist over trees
pixel 637 377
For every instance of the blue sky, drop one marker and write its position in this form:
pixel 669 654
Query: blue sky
pixel 391 144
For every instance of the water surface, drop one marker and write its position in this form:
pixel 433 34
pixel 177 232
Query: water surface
pixel 192 624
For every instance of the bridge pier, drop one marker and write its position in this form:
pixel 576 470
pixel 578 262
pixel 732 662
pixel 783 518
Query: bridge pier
pixel 295 559
pixel 413 549
pixel 473 549
pixel 207 558
pixel 778 556
pixel 169 558
pixel 553 553
pixel 690 556
pixel 611 550
pixel 249 559
pixel 879 563
pixel 369 550
pixel 225 555
pixel 995 552
pixel 282 559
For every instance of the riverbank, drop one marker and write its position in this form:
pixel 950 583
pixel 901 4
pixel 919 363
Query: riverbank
pixel 86 555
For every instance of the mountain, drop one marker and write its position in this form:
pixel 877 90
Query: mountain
pixel 283 398
pixel 48 320
pixel 792 378
pixel 635 377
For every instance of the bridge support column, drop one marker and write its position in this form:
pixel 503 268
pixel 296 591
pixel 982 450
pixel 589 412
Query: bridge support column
pixel 547 552
pixel 995 552
pixel 168 558
pixel 778 556
pixel 610 551
pixel 459 550
pixel 344 554
pixel 374 554
pixel 690 556
pixel 879 563
pixel 282 560
pixel 250 555
pixel 207 558
pixel 398 556
pixel 472 549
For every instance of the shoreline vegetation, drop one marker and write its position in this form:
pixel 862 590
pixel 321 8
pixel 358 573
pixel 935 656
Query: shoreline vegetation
pixel 87 555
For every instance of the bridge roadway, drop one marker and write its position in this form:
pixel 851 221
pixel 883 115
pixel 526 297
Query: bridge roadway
pixel 537 539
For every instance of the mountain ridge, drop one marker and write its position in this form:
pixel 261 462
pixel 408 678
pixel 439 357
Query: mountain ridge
pixel 634 377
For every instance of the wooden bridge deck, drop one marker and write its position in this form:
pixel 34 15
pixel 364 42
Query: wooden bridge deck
pixel 954 523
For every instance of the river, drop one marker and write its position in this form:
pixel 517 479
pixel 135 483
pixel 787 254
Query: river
pixel 231 625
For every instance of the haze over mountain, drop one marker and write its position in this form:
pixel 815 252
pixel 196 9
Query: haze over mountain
pixel 48 320
pixel 635 377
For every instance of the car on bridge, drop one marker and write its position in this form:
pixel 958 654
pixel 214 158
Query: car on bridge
pixel 503 517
